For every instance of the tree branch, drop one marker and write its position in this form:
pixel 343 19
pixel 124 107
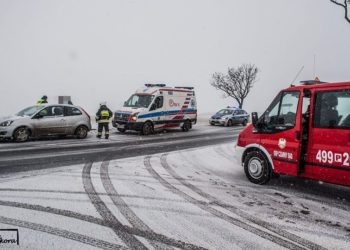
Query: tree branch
pixel 237 83
pixel 345 6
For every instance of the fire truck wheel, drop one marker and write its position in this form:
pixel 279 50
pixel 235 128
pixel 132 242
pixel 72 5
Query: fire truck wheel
pixel 257 167
pixel 147 128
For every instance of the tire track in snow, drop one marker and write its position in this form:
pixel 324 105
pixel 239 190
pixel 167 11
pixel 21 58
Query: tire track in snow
pixel 252 219
pixel 266 235
pixel 91 219
pixel 123 208
pixel 270 196
pixel 61 233
pixel 220 151
pixel 130 240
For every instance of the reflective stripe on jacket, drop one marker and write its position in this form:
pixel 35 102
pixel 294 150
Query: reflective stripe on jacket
pixel 104 116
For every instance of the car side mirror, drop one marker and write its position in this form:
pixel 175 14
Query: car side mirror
pixel 255 119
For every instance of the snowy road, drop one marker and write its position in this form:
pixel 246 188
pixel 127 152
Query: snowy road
pixel 52 153
pixel 197 198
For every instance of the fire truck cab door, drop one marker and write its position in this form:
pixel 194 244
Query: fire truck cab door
pixel 281 132
pixel 328 153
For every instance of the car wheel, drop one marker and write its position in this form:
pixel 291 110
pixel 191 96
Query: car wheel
pixel 121 130
pixel 186 126
pixel 147 128
pixel 21 134
pixel 244 123
pixel 81 132
pixel 229 123
pixel 257 168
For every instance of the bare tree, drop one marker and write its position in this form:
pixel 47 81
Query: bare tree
pixel 345 5
pixel 237 83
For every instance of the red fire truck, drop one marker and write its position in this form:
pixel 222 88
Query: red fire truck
pixel 305 132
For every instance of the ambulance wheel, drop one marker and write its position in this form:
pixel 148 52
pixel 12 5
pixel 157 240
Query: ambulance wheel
pixel 187 126
pixel 244 123
pixel 121 130
pixel 257 168
pixel 147 128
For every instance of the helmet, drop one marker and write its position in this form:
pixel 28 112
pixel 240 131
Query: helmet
pixel 44 97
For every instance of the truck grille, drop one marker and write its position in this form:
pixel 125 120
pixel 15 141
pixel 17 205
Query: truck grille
pixel 121 117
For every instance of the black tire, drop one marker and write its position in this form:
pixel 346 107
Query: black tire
pixel 121 130
pixel 229 123
pixel 147 128
pixel 257 168
pixel 81 132
pixel 21 134
pixel 186 126
pixel 62 137
pixel 244 123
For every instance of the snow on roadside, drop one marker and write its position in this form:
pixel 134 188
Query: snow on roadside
pixel 181 195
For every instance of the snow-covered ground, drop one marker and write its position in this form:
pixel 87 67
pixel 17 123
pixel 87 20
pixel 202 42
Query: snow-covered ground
pixel 189 199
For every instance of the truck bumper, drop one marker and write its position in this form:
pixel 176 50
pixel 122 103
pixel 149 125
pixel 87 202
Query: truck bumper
pixel 137 126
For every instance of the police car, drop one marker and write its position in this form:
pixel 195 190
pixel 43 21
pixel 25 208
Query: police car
pixel 229 116
pixel 157 106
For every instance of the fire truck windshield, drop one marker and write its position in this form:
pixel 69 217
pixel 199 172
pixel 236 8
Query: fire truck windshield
pixel 281 113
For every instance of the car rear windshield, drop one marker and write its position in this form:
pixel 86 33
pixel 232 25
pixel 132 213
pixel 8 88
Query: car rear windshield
pixel 29 111
pixel 139 101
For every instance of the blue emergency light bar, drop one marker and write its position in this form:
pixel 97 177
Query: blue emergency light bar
pixel 150 85
pixel 311 82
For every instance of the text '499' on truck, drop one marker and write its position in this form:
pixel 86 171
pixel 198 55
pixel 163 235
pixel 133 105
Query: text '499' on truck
pixel 305 132
pixel 157 106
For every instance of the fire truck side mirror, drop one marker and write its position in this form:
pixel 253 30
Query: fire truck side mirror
pixel 255 119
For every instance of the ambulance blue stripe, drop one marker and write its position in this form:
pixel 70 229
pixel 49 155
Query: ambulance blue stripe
pixel 172 112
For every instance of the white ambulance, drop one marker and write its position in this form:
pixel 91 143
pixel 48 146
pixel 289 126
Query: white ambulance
pixel 157 106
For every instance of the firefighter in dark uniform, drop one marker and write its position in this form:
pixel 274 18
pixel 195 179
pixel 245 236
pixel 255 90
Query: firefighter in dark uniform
pixel 42 100
pixel 102 118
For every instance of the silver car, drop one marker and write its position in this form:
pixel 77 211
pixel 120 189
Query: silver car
pixel 46 120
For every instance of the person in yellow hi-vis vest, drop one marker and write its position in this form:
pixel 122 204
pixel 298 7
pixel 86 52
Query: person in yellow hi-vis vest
pixel 102 118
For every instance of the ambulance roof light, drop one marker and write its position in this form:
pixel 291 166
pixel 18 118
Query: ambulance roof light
pixel 150 85
pixel 190 88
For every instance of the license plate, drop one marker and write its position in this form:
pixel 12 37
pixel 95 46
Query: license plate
pixel 121 126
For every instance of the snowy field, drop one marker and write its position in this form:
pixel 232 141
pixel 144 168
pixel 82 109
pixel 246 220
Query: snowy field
pixel 193 199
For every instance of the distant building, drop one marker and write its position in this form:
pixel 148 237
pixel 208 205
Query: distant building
pixel 64 99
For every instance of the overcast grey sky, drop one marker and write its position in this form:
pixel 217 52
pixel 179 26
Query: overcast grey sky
pixel 99 50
